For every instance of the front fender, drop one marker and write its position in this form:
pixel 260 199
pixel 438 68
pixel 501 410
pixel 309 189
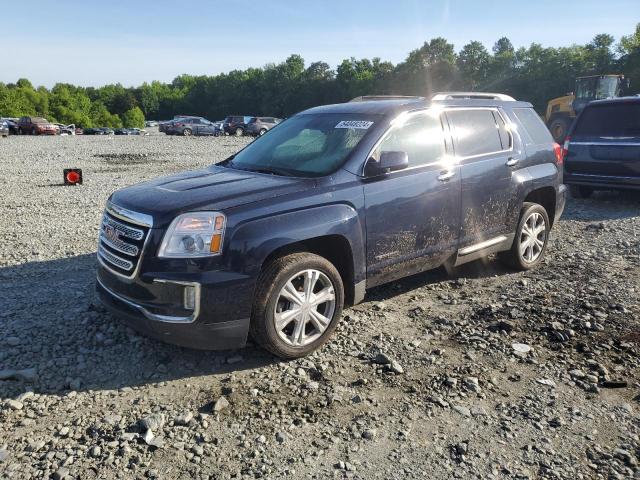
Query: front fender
pixel 254 240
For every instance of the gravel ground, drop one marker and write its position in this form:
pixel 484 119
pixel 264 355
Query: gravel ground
pixel 484 373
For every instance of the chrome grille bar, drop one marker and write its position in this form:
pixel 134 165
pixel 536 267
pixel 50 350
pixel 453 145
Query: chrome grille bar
pixel 127 231
pixel 114 259
pixel 120 246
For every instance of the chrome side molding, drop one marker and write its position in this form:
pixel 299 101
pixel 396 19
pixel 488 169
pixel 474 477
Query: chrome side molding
pixel 482 245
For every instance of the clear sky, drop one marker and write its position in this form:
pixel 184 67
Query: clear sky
pixel 95 43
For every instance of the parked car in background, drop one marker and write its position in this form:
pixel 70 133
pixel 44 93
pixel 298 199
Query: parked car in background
pixel 336 200
pixel 260 125
pixel 236 124
pixel 192 126
pixel 36 126
pixel 4 128
pixel 12 123
pixel 129 131
pixel 65 129
pixel 150 123
pixel 98 131
pixel 602 149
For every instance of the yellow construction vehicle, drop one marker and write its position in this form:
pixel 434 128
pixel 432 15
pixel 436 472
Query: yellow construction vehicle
pixel 562 111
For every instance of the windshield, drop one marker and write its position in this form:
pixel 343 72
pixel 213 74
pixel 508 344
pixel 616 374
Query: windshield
pixel 597 88
pixel 306 145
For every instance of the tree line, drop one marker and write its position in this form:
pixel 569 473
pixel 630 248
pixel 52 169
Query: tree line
pixel 535 73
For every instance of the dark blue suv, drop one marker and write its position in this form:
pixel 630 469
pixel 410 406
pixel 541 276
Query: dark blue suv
pixel 602 150
pixel 275 240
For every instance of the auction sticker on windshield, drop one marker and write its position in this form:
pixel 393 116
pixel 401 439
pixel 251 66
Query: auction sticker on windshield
pixel 360 124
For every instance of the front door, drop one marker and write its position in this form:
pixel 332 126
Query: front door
pixel 412 215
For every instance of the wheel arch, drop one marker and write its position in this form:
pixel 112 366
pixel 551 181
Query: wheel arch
pixel 545 196
pixel 331 231
pixel 335 248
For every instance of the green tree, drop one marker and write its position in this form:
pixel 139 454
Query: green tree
pixel 133 118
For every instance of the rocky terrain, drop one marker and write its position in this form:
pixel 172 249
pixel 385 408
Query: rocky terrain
pixel 481 373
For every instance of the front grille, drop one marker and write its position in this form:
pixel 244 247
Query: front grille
pixel 121 243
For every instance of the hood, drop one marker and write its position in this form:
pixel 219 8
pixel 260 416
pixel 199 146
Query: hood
pixel 213 188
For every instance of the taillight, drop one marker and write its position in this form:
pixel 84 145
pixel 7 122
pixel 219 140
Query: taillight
pixel 565 148
pixel 557 149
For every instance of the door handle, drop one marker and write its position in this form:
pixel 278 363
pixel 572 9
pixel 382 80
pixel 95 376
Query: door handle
pixel 512 162
pixel 446 175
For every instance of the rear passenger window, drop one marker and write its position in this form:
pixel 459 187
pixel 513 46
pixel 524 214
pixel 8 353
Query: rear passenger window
pixel 421 137
pixel 609 120
pixel 533 124
pixel 475 131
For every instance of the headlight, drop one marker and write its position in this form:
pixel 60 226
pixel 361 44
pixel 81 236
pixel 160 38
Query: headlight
pixel 197 234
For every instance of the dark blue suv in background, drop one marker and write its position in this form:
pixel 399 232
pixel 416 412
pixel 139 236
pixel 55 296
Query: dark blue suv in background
pixel 275 240
pixel 602 150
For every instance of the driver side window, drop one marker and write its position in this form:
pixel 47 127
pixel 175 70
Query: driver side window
pixel 421 136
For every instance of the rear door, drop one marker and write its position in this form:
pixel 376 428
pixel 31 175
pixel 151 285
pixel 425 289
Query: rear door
pixel 605 144
pixel 413 215
pixel 484 149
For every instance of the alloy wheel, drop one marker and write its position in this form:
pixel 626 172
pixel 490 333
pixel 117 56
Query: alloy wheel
pixel 533 237
pixel 304 308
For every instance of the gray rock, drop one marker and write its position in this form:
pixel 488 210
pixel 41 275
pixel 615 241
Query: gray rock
pixel 155 421
pixel 221 404
pixel 14 404
pixel 472 384
pixel 464 411
pixel 183 419
pixel 61 474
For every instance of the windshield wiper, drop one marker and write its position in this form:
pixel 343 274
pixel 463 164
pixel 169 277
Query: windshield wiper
pixel 268 170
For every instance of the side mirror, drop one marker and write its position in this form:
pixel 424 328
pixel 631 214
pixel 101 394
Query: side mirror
pixel 389 162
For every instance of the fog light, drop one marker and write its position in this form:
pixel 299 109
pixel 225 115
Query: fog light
pixel 189 298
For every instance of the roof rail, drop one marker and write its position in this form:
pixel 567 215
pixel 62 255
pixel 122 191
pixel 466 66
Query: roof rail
pixel 370 98
pixel 472 96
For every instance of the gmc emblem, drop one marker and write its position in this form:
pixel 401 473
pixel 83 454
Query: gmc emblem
pixel 111 233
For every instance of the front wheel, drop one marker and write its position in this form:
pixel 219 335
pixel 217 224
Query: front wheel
pixel 262 131
pixel 186 132
pixel 298 303
pixel 532 237
pixel 239 132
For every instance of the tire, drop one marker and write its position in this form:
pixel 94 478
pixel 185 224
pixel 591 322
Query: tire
pixel 186 132
pixel 520 257
pixel 34 131
pixel 580 191
pixel 296 270
pixel 262 131
pixel 559 127
pixel 238 132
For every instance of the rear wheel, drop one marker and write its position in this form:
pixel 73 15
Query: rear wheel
pixel 186 132
pixel 297 306
pixel 238 132
pixel 262 131
pixel 580 191
pixel 532 237
pixel 559 128
pixel 34 131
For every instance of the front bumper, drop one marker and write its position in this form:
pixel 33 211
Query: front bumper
pixel 162 322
